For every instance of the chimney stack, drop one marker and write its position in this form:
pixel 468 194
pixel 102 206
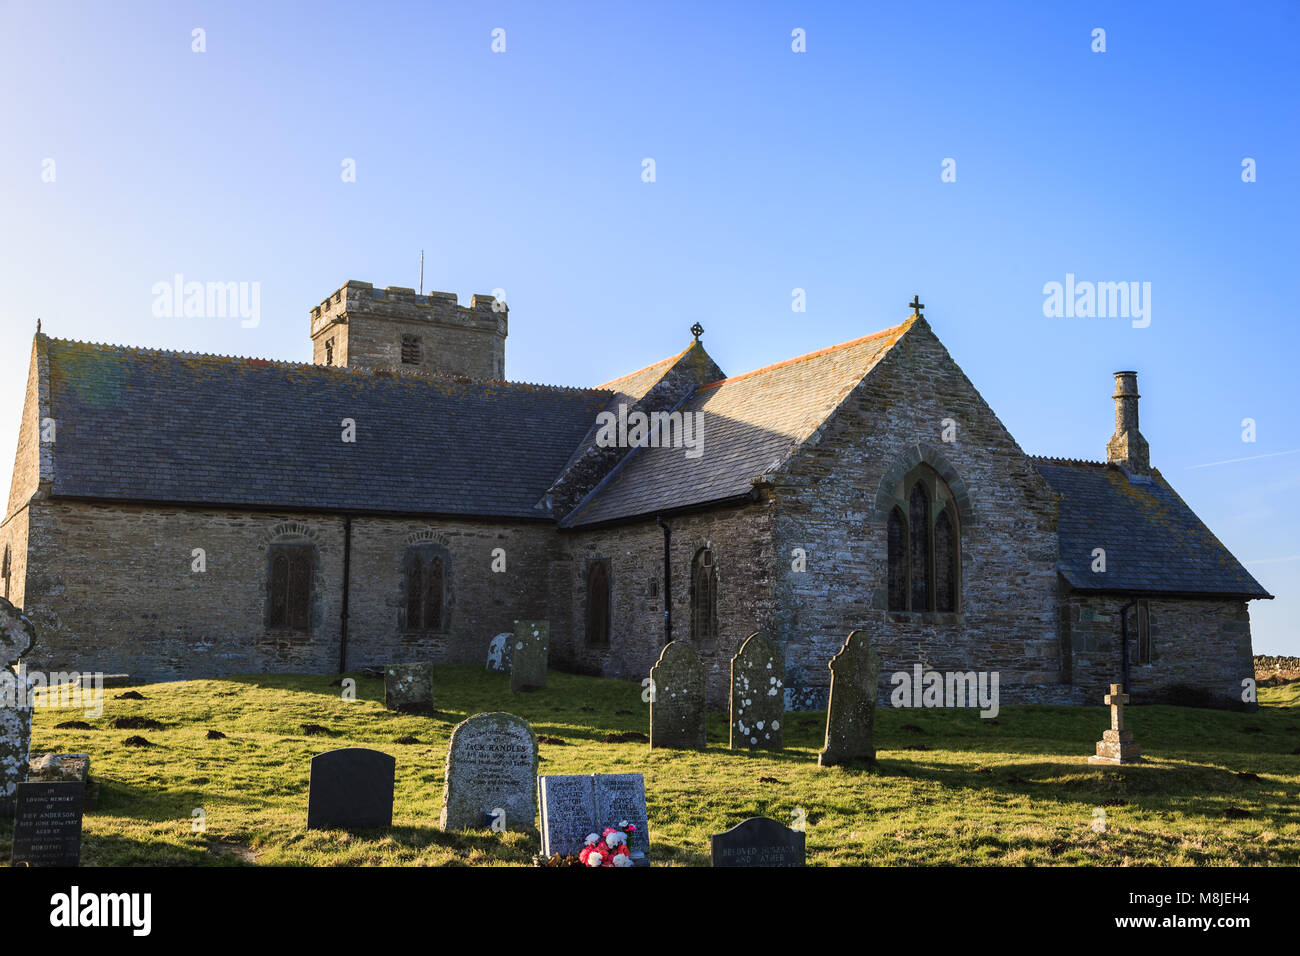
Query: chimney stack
pixel 1127 448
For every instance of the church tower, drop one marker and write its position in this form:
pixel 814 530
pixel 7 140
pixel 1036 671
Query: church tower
pixel 397 329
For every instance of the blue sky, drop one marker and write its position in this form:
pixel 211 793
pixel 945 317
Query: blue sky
pixel 775 170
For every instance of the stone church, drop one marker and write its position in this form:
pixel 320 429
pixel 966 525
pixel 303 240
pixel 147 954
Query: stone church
pixel 176 515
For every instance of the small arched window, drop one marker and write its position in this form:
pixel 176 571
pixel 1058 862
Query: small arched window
pixel 6 569
pixel 598 603
pixel 922 545
pixel 289 586
pixel 425 591
pixel 704 600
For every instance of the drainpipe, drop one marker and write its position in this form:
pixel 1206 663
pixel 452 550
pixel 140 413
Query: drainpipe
pixel 668 580
pixel 1123 641
pixel 343 616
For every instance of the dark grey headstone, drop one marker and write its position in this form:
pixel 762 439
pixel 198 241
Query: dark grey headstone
pixel 568 812
pixel 677 698
pixel 351 788
pixel 574 806
pixel 851 713
pixel 529 656
pixel 491 766
pixel 47 824
pixel 757 695
pixel 759 841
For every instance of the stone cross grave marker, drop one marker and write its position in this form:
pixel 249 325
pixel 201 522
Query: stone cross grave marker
pixel 677 698
pixel 576 805
pixel 47 824
pixel 851 713
pixel 409 687
pixel 1117 744
pixel 491 771
pixel 350 788
pixel 528 657
pixel 498 656
pixel 757 695
pixel 17 637
pixel 759 841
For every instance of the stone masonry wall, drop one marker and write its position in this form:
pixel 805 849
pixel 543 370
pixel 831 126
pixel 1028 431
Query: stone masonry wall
pixel 740 538
pixel 111 589
pixel 1200 644
pixel 826 503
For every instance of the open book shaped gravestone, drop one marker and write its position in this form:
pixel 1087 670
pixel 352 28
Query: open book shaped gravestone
pixel 576 805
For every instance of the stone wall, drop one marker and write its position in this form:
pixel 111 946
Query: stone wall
pixel 740 538
pixel 828 503
pixel 112 589
pixel 1198 645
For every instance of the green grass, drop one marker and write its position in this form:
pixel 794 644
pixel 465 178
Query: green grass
pixel 1015 790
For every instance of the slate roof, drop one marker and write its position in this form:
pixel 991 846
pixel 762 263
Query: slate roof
pixel 752 424
pixel 145 425
pixel 1154 542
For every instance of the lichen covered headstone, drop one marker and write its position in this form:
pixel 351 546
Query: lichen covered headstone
pixel 17 637
pixel 498 655
pixel 409 686
pixel 677 698
pixel 851 714
pixel 491 776
pixel 757 695
pixel 528 657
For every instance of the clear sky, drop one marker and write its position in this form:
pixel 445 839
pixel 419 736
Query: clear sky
pixel 774 171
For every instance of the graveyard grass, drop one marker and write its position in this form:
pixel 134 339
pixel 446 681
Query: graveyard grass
pixel 949 787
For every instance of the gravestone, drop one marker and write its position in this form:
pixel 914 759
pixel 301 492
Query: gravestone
pixel 17 637
pixel 491 767
pixel 1117 744
pixel 759 841
pixel 409 686
pixel 528 657
pixel 757 695
pixel 498 657
pixel 851 713
pixel 350 788
pixel 677 698
pixel 576 805
pixel 59 768
pixel 47 824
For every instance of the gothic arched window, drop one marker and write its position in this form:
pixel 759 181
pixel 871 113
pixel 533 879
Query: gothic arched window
pixel 6 569
pixel 425 590
pixel 704 600
pixel 598 603
pixel 923 547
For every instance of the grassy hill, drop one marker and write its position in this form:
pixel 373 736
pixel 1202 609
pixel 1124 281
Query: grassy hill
pixel 950 787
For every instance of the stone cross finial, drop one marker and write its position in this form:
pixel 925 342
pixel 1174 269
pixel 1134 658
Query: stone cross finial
pixel 1117 699
pixel 697 330
pixel 917 305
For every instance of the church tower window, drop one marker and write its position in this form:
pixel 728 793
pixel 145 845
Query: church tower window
pixel 704 600
pixel 6 569
pixel 923 546
pixel 329 351
pixel 410 350
pixel 598 603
